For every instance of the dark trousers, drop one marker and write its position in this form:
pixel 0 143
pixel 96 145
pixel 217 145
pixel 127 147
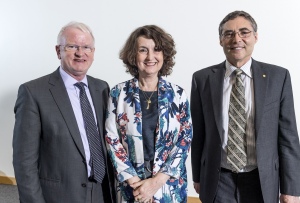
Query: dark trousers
pixel 94 192
pixel 239 187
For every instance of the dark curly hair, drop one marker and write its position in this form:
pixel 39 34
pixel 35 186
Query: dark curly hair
pixel 162 40
pixel 234 15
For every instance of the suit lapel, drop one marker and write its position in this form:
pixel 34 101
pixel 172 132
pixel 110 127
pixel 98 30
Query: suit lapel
pixel 216 82
pixel 62 100
pixel 97 102
pixel 260 81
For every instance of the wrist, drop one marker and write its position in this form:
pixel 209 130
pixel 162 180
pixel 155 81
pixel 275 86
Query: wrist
pixel 161 178
pixel 132 180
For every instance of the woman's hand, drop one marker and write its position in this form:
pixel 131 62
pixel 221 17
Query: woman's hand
pixel 133 180
pixel 145 189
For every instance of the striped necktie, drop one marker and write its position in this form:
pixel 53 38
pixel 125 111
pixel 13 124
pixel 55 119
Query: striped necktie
pixel 236 144
pixel 97 160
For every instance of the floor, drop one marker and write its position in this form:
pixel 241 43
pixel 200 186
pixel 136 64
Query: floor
pixel 8 194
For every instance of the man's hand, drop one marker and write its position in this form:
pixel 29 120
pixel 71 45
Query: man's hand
pixel 197 187
pixel 289 199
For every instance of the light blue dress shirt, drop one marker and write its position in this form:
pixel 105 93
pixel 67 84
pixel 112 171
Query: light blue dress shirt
pixel 73 93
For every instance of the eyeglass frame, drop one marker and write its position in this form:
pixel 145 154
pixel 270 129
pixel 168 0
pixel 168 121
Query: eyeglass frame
pixel 83 48
pixel 233 33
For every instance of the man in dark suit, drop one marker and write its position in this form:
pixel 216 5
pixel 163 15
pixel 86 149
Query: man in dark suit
pixel 245 147
pixel 52 153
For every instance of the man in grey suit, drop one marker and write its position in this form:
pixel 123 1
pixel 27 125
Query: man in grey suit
pixel 52 153
pixel 252 162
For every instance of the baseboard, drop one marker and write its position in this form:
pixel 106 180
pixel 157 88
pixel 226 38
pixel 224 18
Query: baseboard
pixel 12 181
pixel 7 180
pixel 193 200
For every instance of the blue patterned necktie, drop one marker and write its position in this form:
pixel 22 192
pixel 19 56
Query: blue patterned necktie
pixel 97 160
pixel 236 144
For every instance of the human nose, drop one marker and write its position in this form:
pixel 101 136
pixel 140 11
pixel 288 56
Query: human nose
pixel 150 55
pixel 79 51
pixel 236 36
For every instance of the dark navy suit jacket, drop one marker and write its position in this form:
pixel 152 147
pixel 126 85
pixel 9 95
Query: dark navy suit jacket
pixel 277 141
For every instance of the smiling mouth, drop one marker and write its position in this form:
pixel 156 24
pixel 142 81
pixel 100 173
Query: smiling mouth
pixel 234 49
pixel 79 60
pixel 150 63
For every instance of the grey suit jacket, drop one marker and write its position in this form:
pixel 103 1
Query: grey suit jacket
pixel 48 154
pixel 277 141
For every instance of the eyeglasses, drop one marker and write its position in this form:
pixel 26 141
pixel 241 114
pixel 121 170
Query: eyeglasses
pixel 74 48
pixel 231 34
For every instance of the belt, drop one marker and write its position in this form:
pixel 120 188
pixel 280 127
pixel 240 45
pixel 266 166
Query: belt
pixel 235 172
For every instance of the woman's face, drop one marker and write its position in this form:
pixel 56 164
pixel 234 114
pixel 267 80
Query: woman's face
pixel 149 59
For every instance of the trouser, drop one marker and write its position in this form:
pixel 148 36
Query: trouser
pixel 239 187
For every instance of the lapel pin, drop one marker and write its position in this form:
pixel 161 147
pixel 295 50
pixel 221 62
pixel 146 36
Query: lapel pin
pixel 264 75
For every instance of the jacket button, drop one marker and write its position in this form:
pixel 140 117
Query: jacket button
pixel 83 185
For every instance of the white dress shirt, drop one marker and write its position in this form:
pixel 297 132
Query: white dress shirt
pixel 229 80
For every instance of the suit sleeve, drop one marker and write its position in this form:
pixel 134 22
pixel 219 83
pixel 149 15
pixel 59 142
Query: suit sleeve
pixel 198 129
pixel 26 139
pixel 288 143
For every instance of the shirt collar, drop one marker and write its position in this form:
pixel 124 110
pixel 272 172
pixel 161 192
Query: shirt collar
pixel 70 81
pixel 246 68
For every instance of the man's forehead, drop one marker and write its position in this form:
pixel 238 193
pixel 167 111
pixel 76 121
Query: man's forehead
pixel 239 29
pixel 238 23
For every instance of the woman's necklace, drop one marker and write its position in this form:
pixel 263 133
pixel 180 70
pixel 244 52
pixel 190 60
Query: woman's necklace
pixel 148 99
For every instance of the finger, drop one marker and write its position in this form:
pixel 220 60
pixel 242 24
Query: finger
pixel 144 200
pixel 135 193
pixel 135 188
pixel 137 199
pixel 148 201
pixel 137 184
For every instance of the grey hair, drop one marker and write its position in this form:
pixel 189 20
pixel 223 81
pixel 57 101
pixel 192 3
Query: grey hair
pixel 80 26
pixel 234 15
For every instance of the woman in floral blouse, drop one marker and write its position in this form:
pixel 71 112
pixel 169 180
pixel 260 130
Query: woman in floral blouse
pixel 148 126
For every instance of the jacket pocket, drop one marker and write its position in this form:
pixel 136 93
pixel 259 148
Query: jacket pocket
pixel 49 182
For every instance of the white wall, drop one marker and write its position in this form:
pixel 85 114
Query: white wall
pixel 29 30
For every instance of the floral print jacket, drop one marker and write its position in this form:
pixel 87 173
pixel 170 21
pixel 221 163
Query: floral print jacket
pixel 173 138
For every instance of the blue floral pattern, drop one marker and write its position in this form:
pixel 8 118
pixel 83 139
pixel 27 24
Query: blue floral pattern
pixel 173 138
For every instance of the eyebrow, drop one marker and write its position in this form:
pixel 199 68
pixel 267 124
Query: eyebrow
pixel 241 29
